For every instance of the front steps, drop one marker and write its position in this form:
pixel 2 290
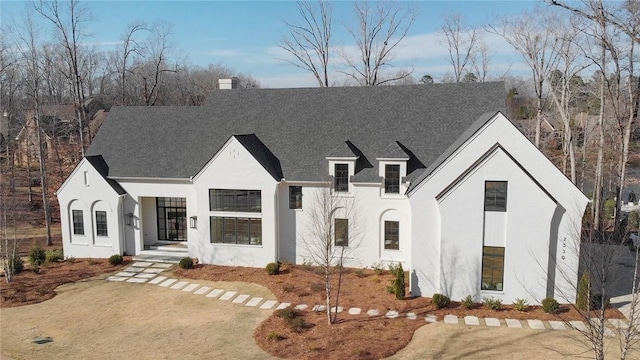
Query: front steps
pixel 163 253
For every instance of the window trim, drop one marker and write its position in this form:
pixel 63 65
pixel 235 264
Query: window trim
pixel 341 178
pixel 251 200
pixel 176 204
pixel 495 287
pixel 493 202
pixel 102 228
pixel 341 232
pixel 78 226
pixel 295 197
pixel 397 235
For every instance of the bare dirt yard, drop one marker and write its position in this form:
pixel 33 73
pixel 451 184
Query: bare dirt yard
pixel 97 319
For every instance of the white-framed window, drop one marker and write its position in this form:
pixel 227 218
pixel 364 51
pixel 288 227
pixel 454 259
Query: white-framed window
pixel 341 177
pixel 101 223
pixel 295 197
pixel 392 179
pixel 236 230
pixel 391 235
pixel 495 196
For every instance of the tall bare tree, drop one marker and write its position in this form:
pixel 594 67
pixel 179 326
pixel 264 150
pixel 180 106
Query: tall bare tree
pixel 130 47
pixel 533 36
pixel 380 28
pixel 462 43
pixel 310 41
pixel 69 22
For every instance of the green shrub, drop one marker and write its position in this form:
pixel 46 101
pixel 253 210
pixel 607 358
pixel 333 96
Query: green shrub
pixel 378 267
pixel 397 284
pixel 90 261
pixel 16 263
pixel 273 268
pixel 360 273
pixel 186 263
pixel 71 259
pixel 582 299
pixel 288 313
pixel 317 287
pixel 599 302
pixel 550 305
pixel 275 336
pixel 521 304
pixel 54 255
pixel 293 318
pixel 37 255
pixel 297 325
pixel 116 259
pixel 467 302
pixel 610 208
pixel 491 303
pixel 634 220
pixel 440 301
pixel 307 264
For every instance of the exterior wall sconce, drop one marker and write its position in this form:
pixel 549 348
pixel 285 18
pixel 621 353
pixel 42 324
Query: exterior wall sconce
pixel 128 219
pixel 193 222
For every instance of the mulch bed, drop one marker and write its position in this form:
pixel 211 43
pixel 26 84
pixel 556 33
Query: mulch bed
pixel 29 287
pixel 353 336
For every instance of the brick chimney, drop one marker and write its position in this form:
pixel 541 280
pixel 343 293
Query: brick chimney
pixel 228 84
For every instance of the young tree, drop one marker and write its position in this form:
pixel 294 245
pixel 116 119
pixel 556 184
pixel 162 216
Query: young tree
pixel 310 43
pixel 332 234
pixel 381 27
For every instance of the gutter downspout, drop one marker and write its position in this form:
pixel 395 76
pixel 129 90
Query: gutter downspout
pixel 123 226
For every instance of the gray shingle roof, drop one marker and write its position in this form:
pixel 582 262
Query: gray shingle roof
pixel 301 127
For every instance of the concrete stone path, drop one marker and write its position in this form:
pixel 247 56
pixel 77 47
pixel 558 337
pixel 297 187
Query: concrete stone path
pixel 151 273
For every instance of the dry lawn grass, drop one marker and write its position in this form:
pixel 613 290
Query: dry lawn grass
pixel 97 319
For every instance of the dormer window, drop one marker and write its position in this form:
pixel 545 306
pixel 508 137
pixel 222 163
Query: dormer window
pixel 392 179
pixel 341 178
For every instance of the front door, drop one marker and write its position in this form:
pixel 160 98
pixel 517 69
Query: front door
pixel 172 219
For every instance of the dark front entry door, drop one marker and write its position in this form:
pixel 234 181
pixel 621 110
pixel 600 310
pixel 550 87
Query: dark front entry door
pixel 172 219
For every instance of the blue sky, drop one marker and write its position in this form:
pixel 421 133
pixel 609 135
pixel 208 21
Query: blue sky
pixel 244 35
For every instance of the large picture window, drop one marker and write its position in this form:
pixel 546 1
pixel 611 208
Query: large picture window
pixel 341 177
pixel 231 230
pixel 341 228
pixel 235 200
pixel 492 268
pixel 392 235
pixel 295 197
pixel 495 196
pixel 78 222
pixel 101 223
pixel 392 179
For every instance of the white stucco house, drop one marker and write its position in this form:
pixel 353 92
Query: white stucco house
pixel 443 183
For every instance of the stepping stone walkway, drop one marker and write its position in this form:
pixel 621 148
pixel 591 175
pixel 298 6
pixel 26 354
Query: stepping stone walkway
pixel 150 273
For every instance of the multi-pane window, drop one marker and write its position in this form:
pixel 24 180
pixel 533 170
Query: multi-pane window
pixel 392 179
pixel 101 223
pixel 495 196
pixel 231 230
pixel 235 200
pixel 341 178
pixel 172 218
pixel 341 228
pixel 295 197
pixel 391 235
pixel 78 222
pixel 492 268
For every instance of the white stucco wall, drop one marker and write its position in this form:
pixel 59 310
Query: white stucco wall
pixel 233 167
pixel 447 241
pixel 86 190
pixel 367 208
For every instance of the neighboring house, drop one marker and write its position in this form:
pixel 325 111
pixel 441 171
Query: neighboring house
pixel 442 181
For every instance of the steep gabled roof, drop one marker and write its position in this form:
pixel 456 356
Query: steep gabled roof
pixel 299 127
pixel 262 154
pixel 98 163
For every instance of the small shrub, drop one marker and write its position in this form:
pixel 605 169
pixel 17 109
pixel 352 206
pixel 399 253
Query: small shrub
pixel 599 302
pixel 287 314
pixel 293 318
pixel 71 259
pixel 467 302
pixel 339 268
pixel 398 284
pixel 491 303
pixel 550 305
pixel 90 261
pixel 35 269
pixel 37 255
pixel 378 267
pixel 316 287
pixel 307 264
pixel 275 336
pixel 610 208
pixel 288 287
pixel 16 262
pixel 319 270
pixel 440 301
pixel 53 255
pixel 582 299
pixel 273 268
pixel 115 259
pixel 360 273
pixel 186 263
pixel 634 220
pixel 521 304
pixel 297 325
